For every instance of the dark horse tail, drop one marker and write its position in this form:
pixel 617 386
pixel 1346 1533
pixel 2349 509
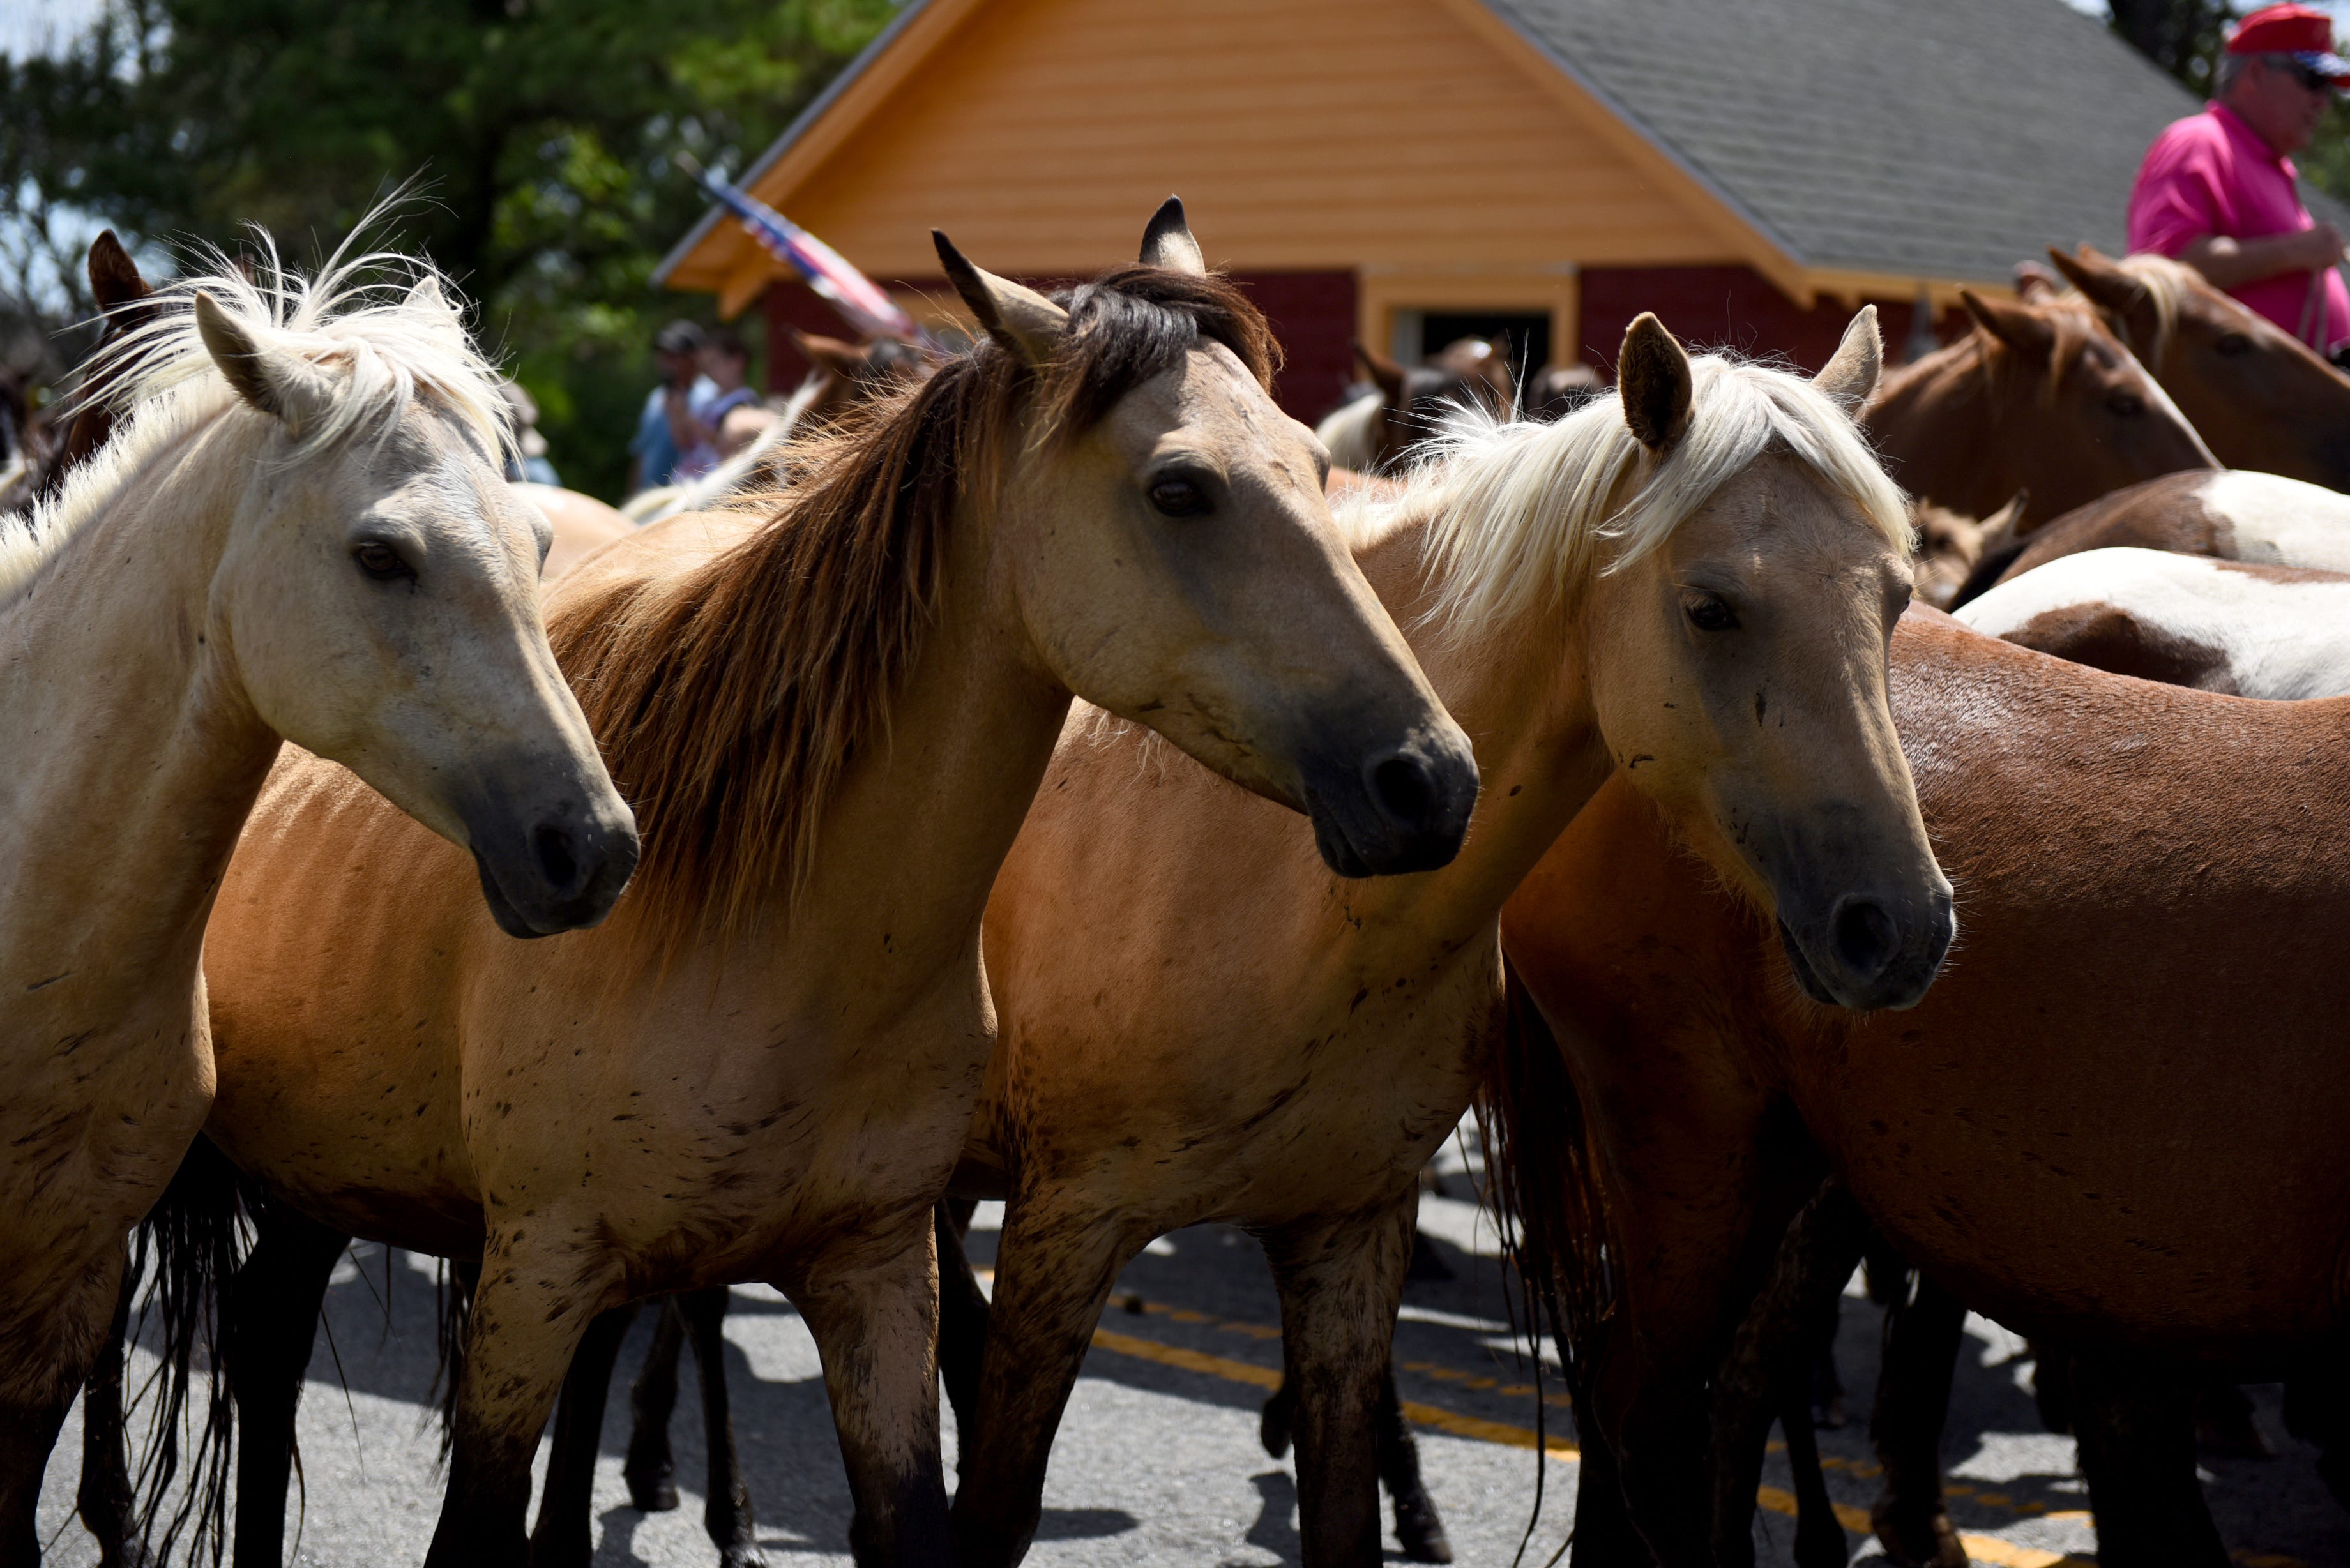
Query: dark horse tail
pixel 1544 1187
pixel 198 1235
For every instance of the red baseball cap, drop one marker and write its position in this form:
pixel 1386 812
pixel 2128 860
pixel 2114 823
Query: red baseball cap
pixel 2297 30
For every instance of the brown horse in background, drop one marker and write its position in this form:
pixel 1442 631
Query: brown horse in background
pixel 2039 397
pixel 2261 397
pixel 1377 432
pixel 2060 1133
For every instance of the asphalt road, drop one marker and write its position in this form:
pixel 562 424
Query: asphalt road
pixel 1159 1461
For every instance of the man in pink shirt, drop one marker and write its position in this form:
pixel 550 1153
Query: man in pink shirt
pixel 2216 191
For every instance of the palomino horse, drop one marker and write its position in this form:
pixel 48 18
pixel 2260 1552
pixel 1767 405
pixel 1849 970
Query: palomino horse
pixel 578 525
pixel 2234 516
pixel 2040 397
pixel 299 529
pixel 2263 399
pixel 832 720
pixel 2135 858
pixel 1697 574
pixel 1377 432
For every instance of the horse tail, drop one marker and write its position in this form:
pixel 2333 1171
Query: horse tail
pixel 1552 1211
pixel 452 1301
pixel 198 1235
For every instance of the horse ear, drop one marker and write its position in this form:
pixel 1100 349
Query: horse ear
pixel 1652 377
pixel 1385 373
pixel 1020 318
pixel 1849 377
pixel 843 360
pixel 114 280
pixel 2007 523
pixel 2036 285
pixel 2103 284
pixel 426 295
pixel 271 380
pixel 2017 325
pixel 1166 241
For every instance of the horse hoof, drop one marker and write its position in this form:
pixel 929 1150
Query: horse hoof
pixel 1914 1543
pixel 652 1494
pixel 1273 1427
pixel 743 1556
pixel 1423 1538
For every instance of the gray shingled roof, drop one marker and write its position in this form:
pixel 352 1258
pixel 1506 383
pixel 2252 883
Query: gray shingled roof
pixel 1935 138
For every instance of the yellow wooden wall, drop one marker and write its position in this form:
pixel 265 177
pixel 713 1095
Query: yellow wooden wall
pixel 1390 136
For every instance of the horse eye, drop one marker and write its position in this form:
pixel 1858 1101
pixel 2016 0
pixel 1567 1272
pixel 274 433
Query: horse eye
pixel 1709 612
pixel 2129 405
pixel 2234 343
pixel 381 562
pixel 1179 498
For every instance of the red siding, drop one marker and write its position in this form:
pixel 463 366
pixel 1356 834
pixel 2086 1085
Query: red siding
pixel 1729 306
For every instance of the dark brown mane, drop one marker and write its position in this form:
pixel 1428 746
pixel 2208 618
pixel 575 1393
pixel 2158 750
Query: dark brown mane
pixel 730 697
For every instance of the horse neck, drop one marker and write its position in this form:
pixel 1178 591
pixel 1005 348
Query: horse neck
pixel 913 837
pixel 145 753
pixel 1937 424
pixel 1522 696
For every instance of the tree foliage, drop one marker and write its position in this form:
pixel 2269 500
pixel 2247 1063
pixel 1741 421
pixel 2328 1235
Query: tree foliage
pixel 542 131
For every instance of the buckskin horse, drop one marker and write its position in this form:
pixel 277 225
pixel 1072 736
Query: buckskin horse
pixel 297 530
pixel 1697 574
pixel 831 714
pixel 2057 1133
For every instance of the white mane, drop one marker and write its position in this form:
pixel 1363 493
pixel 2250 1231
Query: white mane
pixel 1520 511
pixel 369 322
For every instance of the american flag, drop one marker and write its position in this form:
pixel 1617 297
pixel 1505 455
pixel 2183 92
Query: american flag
pixel 859 298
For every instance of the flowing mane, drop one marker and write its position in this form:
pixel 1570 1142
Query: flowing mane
pixel 1521 515
pixel 731 697
pixel 362 319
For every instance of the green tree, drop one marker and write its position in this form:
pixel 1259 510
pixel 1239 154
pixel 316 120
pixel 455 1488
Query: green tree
pixel 542 131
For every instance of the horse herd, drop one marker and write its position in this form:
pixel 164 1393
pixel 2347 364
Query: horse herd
pixel 1645 803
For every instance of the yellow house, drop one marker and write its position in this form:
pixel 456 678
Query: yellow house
pixel 1405 171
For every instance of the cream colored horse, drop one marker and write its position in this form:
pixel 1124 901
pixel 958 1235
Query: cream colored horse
pixel 299 531
pixel 832 722
pixel 1695 579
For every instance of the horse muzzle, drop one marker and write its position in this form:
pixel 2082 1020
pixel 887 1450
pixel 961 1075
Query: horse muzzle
pixel 1870 951
pixel 1404 808
pixel 558 869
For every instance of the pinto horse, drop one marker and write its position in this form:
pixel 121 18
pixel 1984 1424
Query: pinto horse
pixel 832 720
pixel 297 529
pixel 2039 397
pixel 1380 430
pixel 1697 574
pixel 2064 1155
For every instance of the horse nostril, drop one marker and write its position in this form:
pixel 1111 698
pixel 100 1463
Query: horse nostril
pixel 1404 789
pixel 555 861
pixel 1864 937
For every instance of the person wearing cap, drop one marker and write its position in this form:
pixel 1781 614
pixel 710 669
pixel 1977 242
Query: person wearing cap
pixel 684 394
pixel 2217 189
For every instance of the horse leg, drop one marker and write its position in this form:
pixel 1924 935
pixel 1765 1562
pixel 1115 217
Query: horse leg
pixel 872 1306
pixel 726 1512
pixel 567 1503
pixel 963 1314
pixel 28 1430
pixel 530 1313
pixel 2135 1421
pixel 1922 1336
pixel 1603 1536
pixel 1053 1272
pixel 1419 1528
pixel 650 1469
pixel 272 1309
pixel 106 1498
pixel 1340 1286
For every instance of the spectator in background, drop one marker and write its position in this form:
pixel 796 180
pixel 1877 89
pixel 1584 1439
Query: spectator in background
pixel 2217 188
pixel 670 407
pixel 528 461
pixel 721 427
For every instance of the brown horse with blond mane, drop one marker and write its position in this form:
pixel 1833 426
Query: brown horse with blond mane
pixel 1696 574
pixel 2057 1133
pixel 832 712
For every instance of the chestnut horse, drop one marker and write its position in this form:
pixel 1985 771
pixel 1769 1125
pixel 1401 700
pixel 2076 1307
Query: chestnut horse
pixel 2040 397
pixel 832 722
pixel 2235 515
pixel 2134 858
pixel 297 530
pixel 2261 397
pixel 1697 575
